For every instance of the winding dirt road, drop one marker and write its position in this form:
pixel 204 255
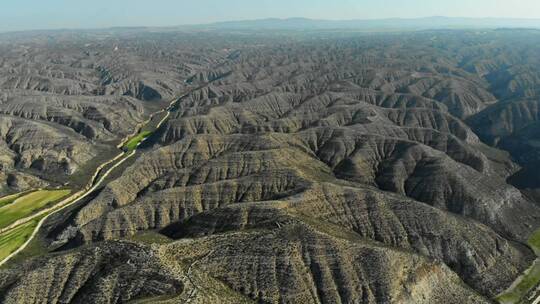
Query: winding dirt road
pixel 92 185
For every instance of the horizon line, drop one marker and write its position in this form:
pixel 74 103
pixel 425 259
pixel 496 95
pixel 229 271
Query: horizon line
pixel 220 22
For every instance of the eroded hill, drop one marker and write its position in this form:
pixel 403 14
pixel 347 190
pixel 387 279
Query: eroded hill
pixel 295 169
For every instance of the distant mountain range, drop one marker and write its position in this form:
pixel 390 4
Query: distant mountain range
pixel 370 24
pixel 300 24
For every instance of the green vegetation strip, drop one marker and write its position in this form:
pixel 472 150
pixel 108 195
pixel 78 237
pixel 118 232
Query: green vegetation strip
pixel 6 200
pixel 534 242
pixel 15 238
pixel 27 204
pixel 132 143
pixel 530 279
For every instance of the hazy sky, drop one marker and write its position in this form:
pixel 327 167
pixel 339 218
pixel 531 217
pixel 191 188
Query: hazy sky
pixel 46 14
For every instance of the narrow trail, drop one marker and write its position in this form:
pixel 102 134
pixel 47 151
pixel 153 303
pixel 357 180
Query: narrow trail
pixel 96 180
pixel 62 205
pixel 93 184
pixel 64 201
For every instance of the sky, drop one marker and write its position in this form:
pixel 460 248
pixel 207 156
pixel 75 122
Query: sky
pixel 18 15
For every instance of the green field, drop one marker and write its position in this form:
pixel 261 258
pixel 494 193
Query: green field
pixel 27 204
pixel 529 280
pixel 534 242
pixel 6 200
pixel 15 238
pixel 132 143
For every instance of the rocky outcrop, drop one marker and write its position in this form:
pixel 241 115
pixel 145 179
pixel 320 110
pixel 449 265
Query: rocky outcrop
pixel 112 273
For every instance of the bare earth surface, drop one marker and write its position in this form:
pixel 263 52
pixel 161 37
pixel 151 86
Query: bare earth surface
pixel 291 167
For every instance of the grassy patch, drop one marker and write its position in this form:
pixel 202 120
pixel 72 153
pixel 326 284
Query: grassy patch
pixel 6 200
pixel 529 280
pixel 151 237
pixel 534 242
pixel 27 204
pixel 36 247
pixel 15 238
pixel 132 143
